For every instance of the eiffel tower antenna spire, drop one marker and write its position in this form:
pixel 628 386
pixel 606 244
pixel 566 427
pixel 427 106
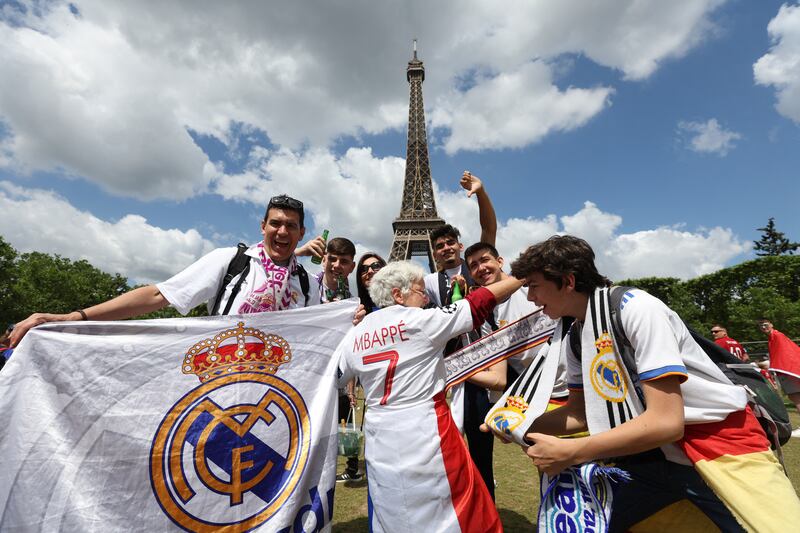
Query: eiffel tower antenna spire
pixel 418 216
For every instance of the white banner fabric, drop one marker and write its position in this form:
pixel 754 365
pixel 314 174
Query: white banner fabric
pixel 200 424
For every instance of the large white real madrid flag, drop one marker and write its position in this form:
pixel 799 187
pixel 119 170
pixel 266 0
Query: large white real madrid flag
pixel 222 423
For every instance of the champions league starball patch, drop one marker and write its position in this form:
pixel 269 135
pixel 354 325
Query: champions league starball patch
pixel 216 460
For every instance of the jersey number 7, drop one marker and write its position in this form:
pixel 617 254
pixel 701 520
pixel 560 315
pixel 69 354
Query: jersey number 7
pixel 390 356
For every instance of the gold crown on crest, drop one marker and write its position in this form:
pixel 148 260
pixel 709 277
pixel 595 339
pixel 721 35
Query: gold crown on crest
pixel 235 350
pixel 517 403
pixel 604 343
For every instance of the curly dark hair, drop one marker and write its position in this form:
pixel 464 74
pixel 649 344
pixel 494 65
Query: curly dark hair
pixel 557 257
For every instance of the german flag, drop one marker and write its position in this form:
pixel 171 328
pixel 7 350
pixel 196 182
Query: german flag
pixel 734 459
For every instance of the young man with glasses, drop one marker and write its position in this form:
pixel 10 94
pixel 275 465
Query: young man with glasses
pixel 271 280
pixel 721 338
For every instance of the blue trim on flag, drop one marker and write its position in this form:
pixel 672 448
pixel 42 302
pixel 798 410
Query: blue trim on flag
pixel 660 372
pixel 577 386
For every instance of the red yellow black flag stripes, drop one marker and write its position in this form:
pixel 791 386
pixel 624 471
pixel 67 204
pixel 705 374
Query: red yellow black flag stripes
pixel 734 459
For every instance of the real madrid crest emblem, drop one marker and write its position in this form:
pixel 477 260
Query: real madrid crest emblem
pixel 605 376
pixel 215 462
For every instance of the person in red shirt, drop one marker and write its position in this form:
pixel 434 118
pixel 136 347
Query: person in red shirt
pixel 721 337
pixel 784 358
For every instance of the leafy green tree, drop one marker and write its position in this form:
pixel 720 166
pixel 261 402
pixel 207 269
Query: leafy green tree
pixel 773 242
pixel 736 297
pixel 53 284
pixel 8 276
pixel 671 291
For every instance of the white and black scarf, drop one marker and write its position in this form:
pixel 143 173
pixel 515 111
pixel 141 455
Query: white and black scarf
pixel 608 389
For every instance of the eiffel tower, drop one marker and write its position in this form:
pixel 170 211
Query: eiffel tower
pixel 418 215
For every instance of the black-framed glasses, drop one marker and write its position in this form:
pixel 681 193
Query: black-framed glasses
pixel 372 266
pixel 716 331
pixel 283 201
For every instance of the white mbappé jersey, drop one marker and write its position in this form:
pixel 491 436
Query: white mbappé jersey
pixel 420 475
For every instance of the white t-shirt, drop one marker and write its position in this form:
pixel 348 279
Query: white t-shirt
pixel 200 281
pixel 432 283
pixel 399 349
pixel 663 346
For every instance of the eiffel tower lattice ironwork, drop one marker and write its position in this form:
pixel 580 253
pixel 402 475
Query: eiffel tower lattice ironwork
pixel 418 215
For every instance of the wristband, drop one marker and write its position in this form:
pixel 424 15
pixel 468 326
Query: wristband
pixel 83 314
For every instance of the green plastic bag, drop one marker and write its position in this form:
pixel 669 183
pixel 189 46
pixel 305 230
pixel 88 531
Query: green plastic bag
pixel 350 438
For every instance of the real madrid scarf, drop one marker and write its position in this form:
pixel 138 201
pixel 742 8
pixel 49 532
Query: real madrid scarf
pixel 275 293
pixel 578 499
pixel 515 338
pixel 608 390
pixel 528 396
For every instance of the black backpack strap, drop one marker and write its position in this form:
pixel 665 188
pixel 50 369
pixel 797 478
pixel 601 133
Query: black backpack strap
pixel 305 285
pixel 240 264
pixel 616 297
pixel 492 322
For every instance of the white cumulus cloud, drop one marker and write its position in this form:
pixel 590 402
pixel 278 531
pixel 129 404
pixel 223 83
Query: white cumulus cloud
pixel 780 67
pixel 112 91
pixel 46 222
pixel 708 137
pixel 481 118
pixel 664 251
pixel 355 195
pixel 146 253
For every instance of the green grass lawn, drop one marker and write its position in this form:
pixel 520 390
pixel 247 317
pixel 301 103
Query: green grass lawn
pixel 517 489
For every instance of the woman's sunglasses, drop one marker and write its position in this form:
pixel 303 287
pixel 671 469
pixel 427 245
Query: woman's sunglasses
pixel 372 266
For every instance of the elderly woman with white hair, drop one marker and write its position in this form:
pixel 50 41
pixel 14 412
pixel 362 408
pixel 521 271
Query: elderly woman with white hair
pixel 420 474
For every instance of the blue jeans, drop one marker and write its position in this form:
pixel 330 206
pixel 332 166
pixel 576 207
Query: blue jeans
pixel 658 483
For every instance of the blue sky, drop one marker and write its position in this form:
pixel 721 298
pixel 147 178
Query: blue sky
pixel 141 136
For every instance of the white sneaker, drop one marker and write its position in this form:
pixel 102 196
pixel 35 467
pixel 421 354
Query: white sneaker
pixel 796 433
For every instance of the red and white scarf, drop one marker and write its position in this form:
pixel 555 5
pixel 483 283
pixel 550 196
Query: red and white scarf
pixel 275 293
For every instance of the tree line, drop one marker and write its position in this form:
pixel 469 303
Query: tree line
pixel 38 282
pixel 735 297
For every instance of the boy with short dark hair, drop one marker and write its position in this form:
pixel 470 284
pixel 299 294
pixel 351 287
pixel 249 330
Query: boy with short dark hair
pixel 337 263
pixel 486 267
